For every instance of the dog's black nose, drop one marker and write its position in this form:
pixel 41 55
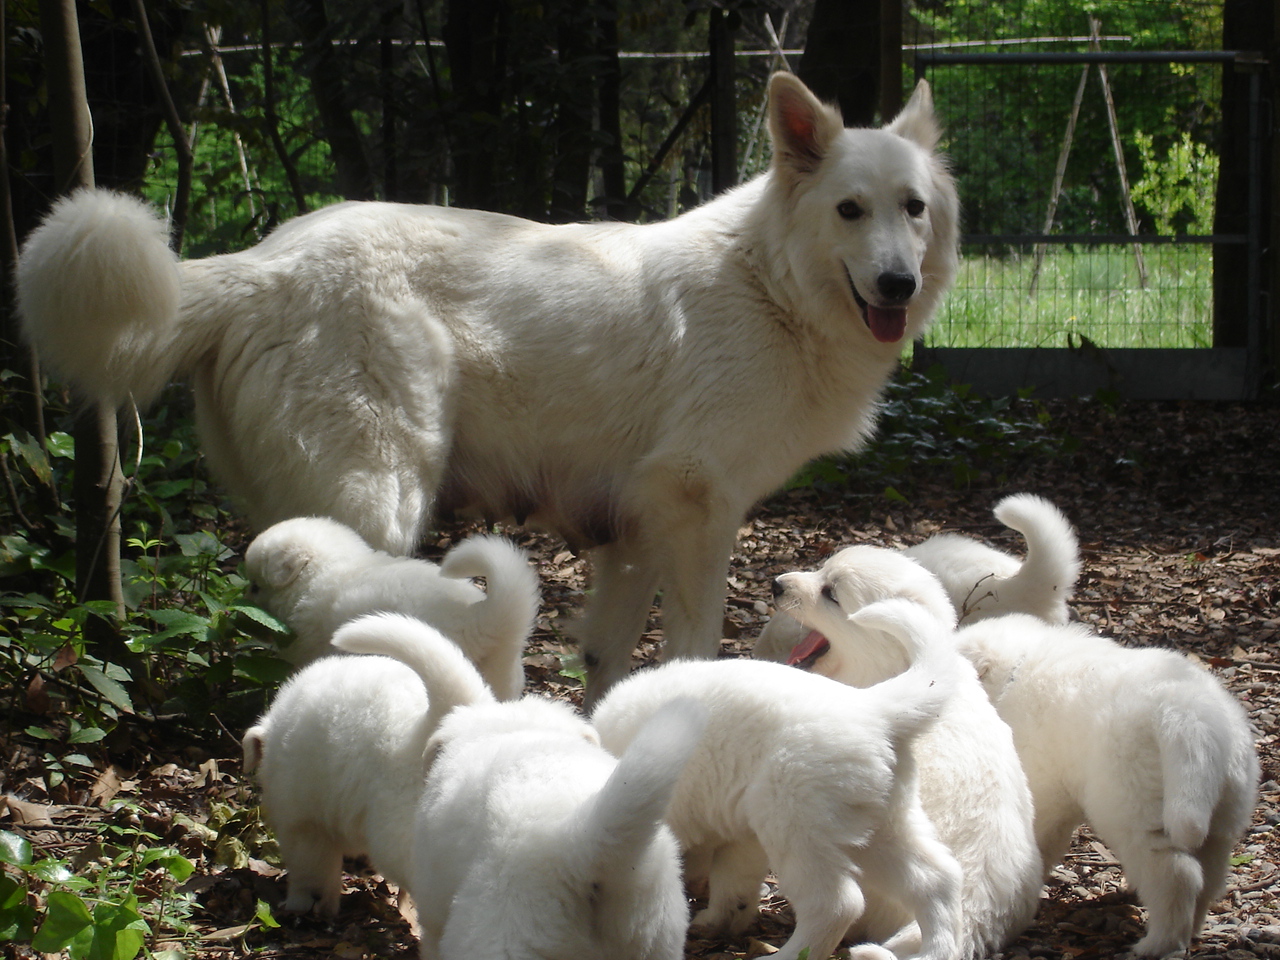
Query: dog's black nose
pixel 896 286
pixel 778 586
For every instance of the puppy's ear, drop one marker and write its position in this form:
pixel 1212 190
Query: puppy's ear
pixel 283 567
pixel 917 121
pixel 801 126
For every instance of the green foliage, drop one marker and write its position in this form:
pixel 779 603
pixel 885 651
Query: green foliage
pixel 1005 123
pixel 927 427
pixel 188 643
pixel 1178 189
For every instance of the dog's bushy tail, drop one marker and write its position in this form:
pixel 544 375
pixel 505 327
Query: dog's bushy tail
pixel 450 678
pixel 914 698
pixel 1048 575
pixel 98 291
pixel 627 811
pixel 511 586
pixel 1205 748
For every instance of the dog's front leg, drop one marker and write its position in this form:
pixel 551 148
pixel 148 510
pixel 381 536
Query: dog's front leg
pixel 623 586
pixel 695 569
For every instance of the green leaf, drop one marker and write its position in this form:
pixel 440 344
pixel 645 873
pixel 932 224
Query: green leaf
pixel 67 920
pixel 61 444
pixel 86 735
pixel 17 917
pixel 258 615
pixel 119 931
pixel 34 457
pixel 262 913
pixel 263 670
pixel 173 863
pixel 115 694
pixel 14 849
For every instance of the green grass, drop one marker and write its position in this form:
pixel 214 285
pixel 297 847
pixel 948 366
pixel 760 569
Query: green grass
pixel 1093 293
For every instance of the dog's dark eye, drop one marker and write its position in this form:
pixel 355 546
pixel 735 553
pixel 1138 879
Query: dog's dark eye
pixel 849 210
pixel 829 594
pixel 915 207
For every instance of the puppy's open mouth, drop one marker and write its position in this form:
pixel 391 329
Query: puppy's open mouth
pixel 808 651
pixel 887 324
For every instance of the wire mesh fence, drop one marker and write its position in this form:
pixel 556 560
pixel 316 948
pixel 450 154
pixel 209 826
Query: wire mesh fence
pixel 1117 154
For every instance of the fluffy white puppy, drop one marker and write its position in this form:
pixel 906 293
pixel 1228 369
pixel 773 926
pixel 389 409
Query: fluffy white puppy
pixel 980 580
pixel 530 840
pixel 316 574
pixel 339 756
pixel 971 782
pixel 813 779
pixel 1143 744
pixel 985 582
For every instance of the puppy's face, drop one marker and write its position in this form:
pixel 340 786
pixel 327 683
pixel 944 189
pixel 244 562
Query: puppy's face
pixel 285 558
pixel 824 599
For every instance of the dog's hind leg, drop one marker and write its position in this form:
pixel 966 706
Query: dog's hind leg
pixel 1169 883
pixel 826 898
pixel 925 878
pixel 733 901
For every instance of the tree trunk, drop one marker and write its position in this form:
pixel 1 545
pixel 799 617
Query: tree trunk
pixel 612 158
pixel 477 64
pixel 842 57
pixel 325 69
pixel 724 109
pixel 98 483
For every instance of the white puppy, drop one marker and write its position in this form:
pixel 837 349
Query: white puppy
pixel 985 582
pixel 531 841
pixel 316 574
pixel 1143 744
pixel 813 779
pixel 982 581
pixel 339 756
pixel 971 782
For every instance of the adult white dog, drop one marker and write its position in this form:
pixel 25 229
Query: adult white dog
pixel 316 574
pixel 811 778
pixel 530 841
pixel 971 781
pixel 985 582
pixel 1144 745
pixel 378 363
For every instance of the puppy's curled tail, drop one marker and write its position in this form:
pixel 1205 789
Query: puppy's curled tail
pixel 511 586
pixel 1053 555
pixel 252 746
pixel 98 291
pixel 1206 751
pixel 450 678
pixel 914 698
pixel 627 811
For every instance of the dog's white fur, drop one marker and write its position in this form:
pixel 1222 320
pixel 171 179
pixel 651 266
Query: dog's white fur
pixel 339 755
pixel 316 574
pixel 378 363
pixel 1143 744
pixel 985 582
pixel 980 580
pixel 813 779
pixel 530 841
pixel 971 781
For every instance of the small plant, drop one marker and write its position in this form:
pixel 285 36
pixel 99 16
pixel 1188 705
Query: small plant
pixel 928 425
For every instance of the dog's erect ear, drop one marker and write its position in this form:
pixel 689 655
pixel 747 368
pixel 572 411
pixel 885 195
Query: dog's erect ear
pixel 801 126
pixel 917 121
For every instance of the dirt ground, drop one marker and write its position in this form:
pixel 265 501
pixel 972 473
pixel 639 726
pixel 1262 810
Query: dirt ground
pixel 1178 511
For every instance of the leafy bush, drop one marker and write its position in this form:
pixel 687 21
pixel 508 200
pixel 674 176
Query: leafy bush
pixel 928 426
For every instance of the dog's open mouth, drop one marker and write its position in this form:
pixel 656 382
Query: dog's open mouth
pixel 887 324
pixel 808 651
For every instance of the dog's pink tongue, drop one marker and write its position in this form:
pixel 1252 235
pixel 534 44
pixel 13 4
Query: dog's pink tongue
pixel 887 324
pixel 810 646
